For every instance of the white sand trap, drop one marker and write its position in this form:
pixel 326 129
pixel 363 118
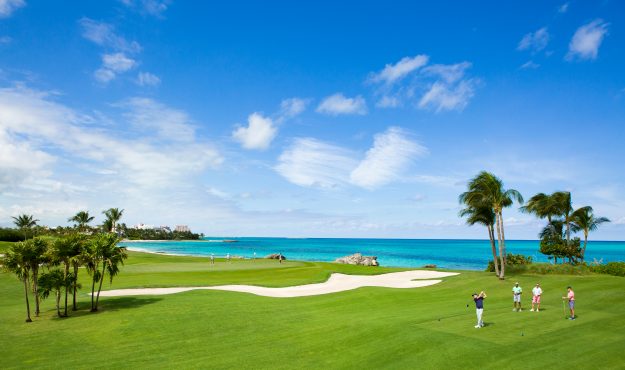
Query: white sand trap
pixel 336 283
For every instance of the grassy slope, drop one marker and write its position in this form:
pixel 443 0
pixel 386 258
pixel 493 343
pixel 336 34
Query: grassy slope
pixel 366 328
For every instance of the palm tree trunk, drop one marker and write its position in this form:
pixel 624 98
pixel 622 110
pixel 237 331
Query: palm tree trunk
pixel 36 290
pixel 58 302
pixel 100 288
pixel 66 285
pixel 503 237
pixel 28 319
pixel 491 236
pixel 75 286
pixel 585 244
pixel 502 263
pixel 93 289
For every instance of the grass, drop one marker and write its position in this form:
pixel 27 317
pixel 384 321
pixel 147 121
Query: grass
pixel 429 327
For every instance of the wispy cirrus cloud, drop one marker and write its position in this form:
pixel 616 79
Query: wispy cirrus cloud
pixel 154 8
pixel 535 41
pixel 147 79
pixel 103 34
pixel 8 7
pixel 439 87
pixel 339 104
pixel 586 41
pixel 312 163
pixel 563 8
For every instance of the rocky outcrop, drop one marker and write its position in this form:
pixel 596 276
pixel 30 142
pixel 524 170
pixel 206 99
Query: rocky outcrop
pixel 429 266
pixel 358 259
pixel 275 256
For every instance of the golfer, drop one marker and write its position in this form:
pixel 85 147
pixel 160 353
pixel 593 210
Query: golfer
pixel 536 293
pixel 516 297
pixel 570 295
pixel 479 307
pixel 212 259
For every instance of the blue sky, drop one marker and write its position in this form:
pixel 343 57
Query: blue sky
pixel 309 119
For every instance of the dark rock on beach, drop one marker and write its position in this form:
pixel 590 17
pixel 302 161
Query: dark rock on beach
pixel 275 256
pixel 358 259
pixel 429 266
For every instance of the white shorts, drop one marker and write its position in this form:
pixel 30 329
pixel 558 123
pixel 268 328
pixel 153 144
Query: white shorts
pixel 517 298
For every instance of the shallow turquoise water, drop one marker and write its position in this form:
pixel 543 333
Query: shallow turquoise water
pixel 453 254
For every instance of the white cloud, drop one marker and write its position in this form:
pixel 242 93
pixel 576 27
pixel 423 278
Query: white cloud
pixel 291 107
pixel 148 79
pixel 587 40
pixel 7 7
pixel 313 163
pixel 46 127
pixel 151 7
pixel 20 162
pixel 258 134
pixel 104 75
pixel 449 73
pixel 103 34
pixel 391 154
pixel 530 65
pixel 563 8
pixel 218 193
pixel 388 102
pixel 149 115
pixel 117 62
pixel 395 72
pixel 535 41
pixel 442 96
pixel 338 104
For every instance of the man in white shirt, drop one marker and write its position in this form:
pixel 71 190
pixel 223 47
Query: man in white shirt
pixel 536 293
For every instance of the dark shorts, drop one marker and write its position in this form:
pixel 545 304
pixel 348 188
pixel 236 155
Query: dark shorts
pixel 571 304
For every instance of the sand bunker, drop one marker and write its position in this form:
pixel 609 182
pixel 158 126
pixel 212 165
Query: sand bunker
pixel 336 283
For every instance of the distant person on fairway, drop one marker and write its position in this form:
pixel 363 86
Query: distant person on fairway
pixel 212 259
pixel 516 297
pixel 570 295
pixel 228 257
pixel 536 293
pixel 479 307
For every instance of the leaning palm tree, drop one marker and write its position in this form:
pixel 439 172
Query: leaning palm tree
pixel 484 216
pixel 110 255
pixel 81 219
pixel 25 221
pixel 487 190
pixel 541 205
pixel 113 215
pixel 16 260
pixel 584 220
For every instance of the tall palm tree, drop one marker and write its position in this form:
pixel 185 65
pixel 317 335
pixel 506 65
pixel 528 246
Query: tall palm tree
pixel 76 259
pixel 487 190
pixel 562 201
pixel 16 260
pixel 65 251
pixel 111 256
pixel 113 215
pixel 542 205
pixel 484 216
pixel 584 220
pixel 53 281
pixel 24 221
pixel 37 255
pixel 81 219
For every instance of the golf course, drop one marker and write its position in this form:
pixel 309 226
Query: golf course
pixel 369 327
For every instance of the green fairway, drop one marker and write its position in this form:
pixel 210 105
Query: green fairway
pixel 429 327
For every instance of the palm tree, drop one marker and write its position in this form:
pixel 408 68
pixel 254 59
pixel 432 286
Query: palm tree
pixel 65 251
pixel 81 219
pixel 16 260
pixel 584 220
pixel 487 190
pixel 113 215
pixel 37 255
pixel 76 259
pixel 484 216
pixel 564 206
pixel 542 205
pixel 24 221
pixel 53 281
pixel 111 256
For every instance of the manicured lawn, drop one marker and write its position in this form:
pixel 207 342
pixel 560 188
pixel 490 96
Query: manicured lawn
pixel 429 327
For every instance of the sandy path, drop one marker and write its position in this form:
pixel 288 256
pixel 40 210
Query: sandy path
pixel 336 283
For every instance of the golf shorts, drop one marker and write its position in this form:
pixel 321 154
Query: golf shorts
pixel 517 298
pixel 571 304
pixel 536 299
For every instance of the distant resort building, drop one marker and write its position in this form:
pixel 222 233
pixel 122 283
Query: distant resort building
pixel 152 227
pixel 182 228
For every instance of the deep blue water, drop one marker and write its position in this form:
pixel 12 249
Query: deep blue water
pixel 453 254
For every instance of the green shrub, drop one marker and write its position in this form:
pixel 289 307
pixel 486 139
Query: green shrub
pixel 559 269
pixel 611 268
pixel 11 235
pixel 512 261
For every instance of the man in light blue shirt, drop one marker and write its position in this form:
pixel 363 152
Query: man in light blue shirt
pixel 516 297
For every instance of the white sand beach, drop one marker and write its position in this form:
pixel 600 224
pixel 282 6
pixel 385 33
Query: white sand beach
pixel 336 283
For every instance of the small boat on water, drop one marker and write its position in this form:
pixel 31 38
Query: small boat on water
pixel 230 241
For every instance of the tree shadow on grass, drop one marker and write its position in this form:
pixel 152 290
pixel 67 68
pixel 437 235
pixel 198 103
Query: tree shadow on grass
pixel 124 303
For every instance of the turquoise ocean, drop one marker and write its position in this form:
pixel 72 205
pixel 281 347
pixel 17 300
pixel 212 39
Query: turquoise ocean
pixel 452 254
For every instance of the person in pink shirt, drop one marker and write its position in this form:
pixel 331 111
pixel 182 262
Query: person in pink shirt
pixel 571 298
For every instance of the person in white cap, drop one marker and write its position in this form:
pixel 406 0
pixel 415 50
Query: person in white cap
pixel 516 297
pixel 536 293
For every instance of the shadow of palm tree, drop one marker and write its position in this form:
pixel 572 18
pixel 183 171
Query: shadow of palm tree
pixel 123 303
